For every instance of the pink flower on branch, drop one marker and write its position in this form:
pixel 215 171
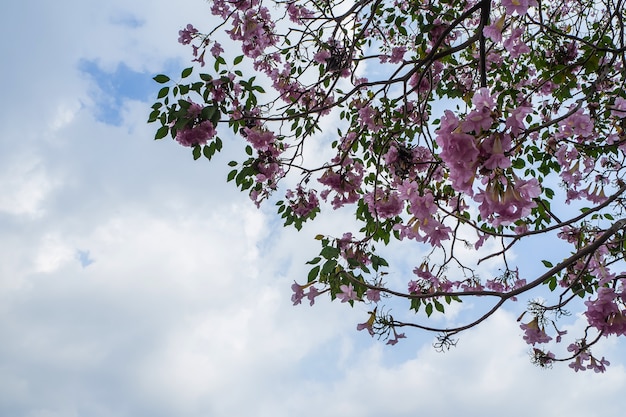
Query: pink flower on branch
pixel 347 293
pixel 187 34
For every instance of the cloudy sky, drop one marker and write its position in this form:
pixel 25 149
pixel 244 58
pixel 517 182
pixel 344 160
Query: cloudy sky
pixel 136 282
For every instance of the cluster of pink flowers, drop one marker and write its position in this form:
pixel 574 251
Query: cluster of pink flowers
pixel 196 130
pixel 299 294
pixel 504 203
pixel 344 182
pixel 427 282
pixel 423 208
pixel 351 250
pixel 384 203
pixel 187 34
pixel 267 163
pixel 604 314
pixel 468 146
pixel 254 28
pixel 534 333
pixel 302 202
pixel 458 151
pixel 298 13
pixel 578 167
pixel 583 355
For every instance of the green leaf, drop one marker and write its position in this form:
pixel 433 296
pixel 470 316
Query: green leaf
pixel 547 264
pixel 186 72
pixel 313 273
pixel 163 92
pixel 161 78
pixel 162 132
pixel 552 284
pixel 238 60
pixel 231 175
pixel 208 152
pixel 315 260
pixel 429 309
pixel 197 152
pixel 329 252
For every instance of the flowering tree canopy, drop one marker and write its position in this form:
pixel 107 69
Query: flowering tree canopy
pixel 446 124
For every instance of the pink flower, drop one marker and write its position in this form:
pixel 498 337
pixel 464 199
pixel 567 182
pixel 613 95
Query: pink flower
pixel 519 6
pixel 186 35
pixel 397 54
pixel 261 140
pixel 396 337
pixel 435 231
pixel 619 108
pixel 297 13
pixel 483 98
pixel 515 121
pixel 496 145
pixel 577 124
pixel 383 203
pixel 478 120
pixel 321 56
pixel 347 293
pixel 373 295
pixel 216 49
pixel 533 333
pixel 494 30
pixel 368 324
pixel 313 292
pixel 298 293
pixel 195 134
pixel 515 45
pixel 301 202
pixel 604 314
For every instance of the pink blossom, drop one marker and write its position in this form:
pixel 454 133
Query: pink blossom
pixel 396 337
pixel 368 116
pixel 397 54
pixel 345 183
pixel 435 231
pixel 297 13
pixel 494 30
pixel 347 293
pixel 534 334
pixel 186 35
pixel 196 133
pixel 373 295
pixel 313 292
pixel 261 140
pixel 483 98
pixel 604 314
pixel 298 293
pixel 519 6
pixel 577 124
pixel 216 49
pixel 321 56
pixel 301 202
pixel 422 206
pixel 368 324
pixel 514 44
pixel 619 108
pixel 383 203
pixel 515 121
pixel 497 158
pixel 478 120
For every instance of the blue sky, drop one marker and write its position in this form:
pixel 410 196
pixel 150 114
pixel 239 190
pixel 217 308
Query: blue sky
pixel 136 282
